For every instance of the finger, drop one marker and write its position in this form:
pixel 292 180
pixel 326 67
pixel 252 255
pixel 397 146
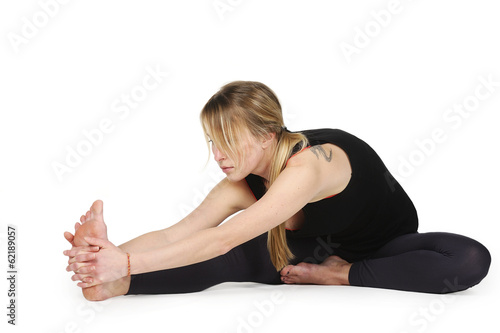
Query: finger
pixel 85 280
pixel 76 267
pixel 81 259
pixel 82 218
pixel 77 225
pixel 87 285
pixel 81 249
pixel 86 270
pixel 85 257
pixel 97 242
pixel 71 253
pixel 82 277
pixel 72 268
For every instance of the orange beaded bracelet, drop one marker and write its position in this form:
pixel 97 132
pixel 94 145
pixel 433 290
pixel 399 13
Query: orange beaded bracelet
pixel 128 263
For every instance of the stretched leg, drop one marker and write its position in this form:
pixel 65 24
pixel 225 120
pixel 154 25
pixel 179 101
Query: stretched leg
pixel 430 262
pixel 248 262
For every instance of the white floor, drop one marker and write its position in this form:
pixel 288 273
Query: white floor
pixel 248 307
pixel 100 100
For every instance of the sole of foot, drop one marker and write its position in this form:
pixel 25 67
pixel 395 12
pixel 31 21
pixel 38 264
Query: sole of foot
pixel 92 225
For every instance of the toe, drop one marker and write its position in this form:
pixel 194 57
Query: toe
pixel 97 207
pixel 69 236
pixel 289 280
pixel 285 271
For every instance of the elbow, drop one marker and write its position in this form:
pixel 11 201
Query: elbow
pixel 225 241
pixel 227 238
pixel 225 246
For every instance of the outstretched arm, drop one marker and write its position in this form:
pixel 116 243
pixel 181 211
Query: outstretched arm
pixel 223 200
pixel 294 188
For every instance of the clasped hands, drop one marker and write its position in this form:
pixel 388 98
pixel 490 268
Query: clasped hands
pixel 98 262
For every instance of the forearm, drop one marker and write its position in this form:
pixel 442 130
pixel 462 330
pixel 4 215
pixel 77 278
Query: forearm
pixel 200 246
pixel 147 242
pixel 160 238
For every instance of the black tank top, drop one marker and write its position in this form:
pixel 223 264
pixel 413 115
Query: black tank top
pixel 369 212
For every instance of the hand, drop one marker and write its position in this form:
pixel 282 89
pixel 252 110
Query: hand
pixel 93 268
pixel 80 268
pixel 80 256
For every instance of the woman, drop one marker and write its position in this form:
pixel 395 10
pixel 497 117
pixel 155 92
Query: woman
pixel 317 207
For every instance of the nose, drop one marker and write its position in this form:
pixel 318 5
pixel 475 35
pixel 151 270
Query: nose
pixel 218 155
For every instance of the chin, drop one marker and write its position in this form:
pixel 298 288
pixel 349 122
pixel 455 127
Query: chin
pixel 232 177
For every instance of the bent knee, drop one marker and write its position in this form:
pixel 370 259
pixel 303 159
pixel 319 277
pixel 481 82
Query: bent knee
pixel 472 266
pixel 479 259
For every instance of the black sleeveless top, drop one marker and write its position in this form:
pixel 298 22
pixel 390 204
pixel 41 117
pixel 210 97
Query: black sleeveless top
pixel 369 212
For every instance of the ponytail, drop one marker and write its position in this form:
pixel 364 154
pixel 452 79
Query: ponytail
pixel 276 238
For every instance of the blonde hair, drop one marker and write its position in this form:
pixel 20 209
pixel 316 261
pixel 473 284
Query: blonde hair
pixel 252 106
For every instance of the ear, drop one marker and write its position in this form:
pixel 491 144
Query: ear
pixel 267 140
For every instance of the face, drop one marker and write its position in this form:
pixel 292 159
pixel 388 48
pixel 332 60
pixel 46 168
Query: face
pixel 253 152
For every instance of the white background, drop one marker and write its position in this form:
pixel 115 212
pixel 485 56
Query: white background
pixel 65 75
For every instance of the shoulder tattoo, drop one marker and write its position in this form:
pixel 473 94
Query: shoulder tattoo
pixel 318 150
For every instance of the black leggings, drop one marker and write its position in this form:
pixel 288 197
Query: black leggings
pixel 430 262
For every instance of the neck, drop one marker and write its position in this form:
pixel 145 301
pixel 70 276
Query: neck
pixel 264 169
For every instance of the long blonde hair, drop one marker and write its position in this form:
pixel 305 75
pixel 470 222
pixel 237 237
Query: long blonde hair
pixel 253 106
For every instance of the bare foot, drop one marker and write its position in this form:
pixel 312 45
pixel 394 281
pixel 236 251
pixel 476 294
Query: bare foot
pixel 333 271
pixel 104 291
pixel 92 225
